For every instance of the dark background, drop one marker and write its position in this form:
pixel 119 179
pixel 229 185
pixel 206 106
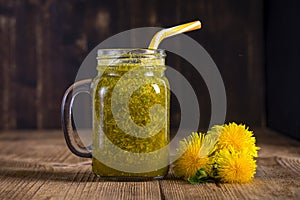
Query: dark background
pixel 254 43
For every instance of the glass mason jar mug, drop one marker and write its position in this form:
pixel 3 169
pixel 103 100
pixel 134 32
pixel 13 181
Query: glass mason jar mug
pixel 131 114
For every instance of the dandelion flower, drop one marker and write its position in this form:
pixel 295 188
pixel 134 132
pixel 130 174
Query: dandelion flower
pixel 195 151
pixel 238 137
pixel 234 167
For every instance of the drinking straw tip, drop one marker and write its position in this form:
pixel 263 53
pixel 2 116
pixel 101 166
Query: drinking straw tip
pixel 165 33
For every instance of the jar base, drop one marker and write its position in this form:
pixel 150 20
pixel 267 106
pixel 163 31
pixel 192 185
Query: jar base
pixel 107 173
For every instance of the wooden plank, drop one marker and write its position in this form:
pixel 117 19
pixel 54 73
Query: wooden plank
pixel 49 70
pixel 7 68
pixel 25 73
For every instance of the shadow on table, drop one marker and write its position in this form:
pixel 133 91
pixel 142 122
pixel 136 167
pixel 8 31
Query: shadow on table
pixel 62 172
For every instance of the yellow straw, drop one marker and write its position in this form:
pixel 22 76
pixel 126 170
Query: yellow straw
pixel 168 32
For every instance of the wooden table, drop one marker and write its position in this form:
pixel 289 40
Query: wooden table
pixel 38 165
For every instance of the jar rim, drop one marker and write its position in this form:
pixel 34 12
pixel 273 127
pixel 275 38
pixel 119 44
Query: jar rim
pixel 134 51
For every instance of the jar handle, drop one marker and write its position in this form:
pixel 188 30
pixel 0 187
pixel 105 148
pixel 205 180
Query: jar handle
pixel 71 135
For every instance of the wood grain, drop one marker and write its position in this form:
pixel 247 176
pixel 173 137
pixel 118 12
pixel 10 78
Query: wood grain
pixel 38 165
pixel 7 68
pixel 43 44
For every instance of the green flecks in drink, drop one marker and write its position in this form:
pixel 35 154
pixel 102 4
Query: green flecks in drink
pixel 148 108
